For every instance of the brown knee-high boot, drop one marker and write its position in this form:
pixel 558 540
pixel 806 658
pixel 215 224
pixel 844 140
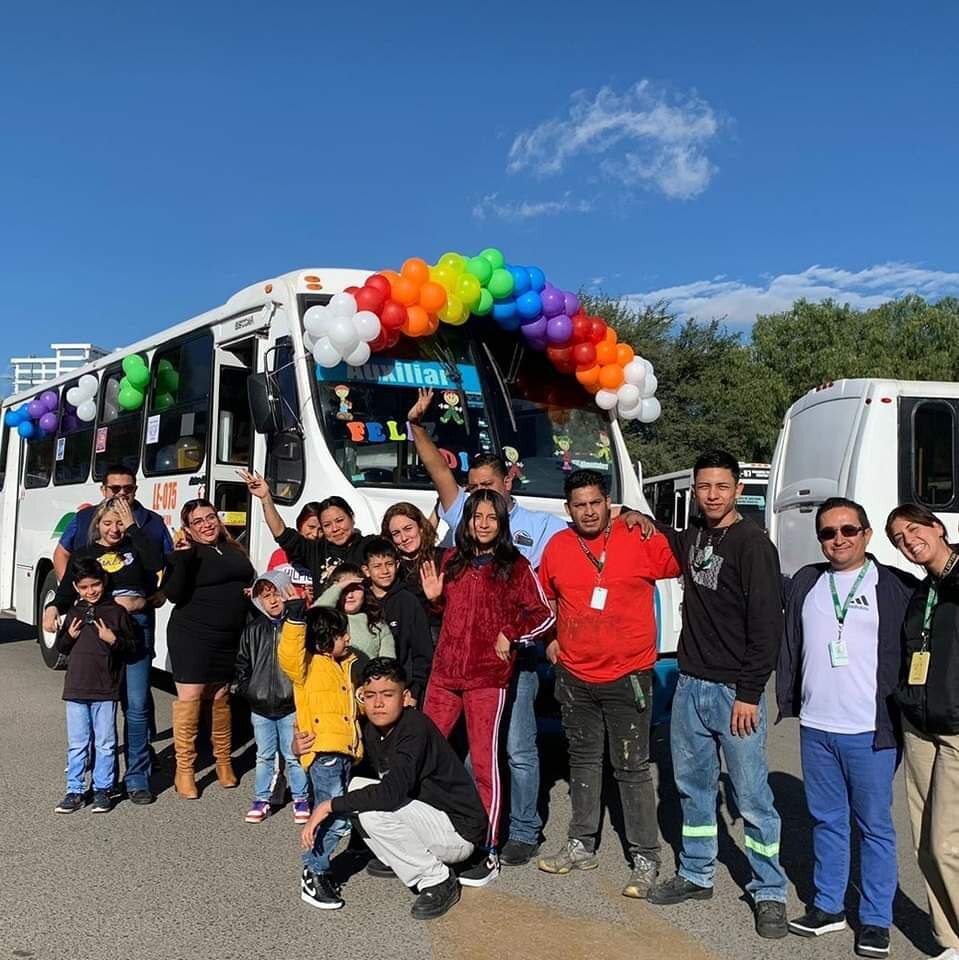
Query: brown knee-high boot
pixel 186 719
pixel 221 737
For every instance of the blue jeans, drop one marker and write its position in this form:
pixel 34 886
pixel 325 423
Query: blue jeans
pixel 91 723
pixel 137 701
pixel 842 772
pixel 273 735
pixel 702 711
pixel 523 756
pixel 329 774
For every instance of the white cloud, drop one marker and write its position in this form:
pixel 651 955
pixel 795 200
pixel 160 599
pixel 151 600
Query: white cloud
pixel 739 302
pixel 647 136
pixel 491 207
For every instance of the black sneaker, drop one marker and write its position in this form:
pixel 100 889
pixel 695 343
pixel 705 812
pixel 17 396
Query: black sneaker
pixel 771 919
pixel 70 803
pixel 516 853
pixel 816 922
pixel 873 941
pixel 482 868
pixel 376 868
pixel 141 796
pixel 435 901
pixel 676 890
pixel 102 802
pixel 320 890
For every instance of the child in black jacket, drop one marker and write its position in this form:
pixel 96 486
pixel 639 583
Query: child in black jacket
pixel 269 692
pixel 98 635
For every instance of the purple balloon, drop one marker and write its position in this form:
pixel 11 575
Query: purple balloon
pixel 49 422
pixel 553 302
pixel 535 330
pixel 536 344
pixel 70 423
pixel 571 302
pixel 559 329
pixel 50 400
pixel 36 409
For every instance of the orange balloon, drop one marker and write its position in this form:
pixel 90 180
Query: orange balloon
pixel 405 291
pixel 591 387
pixel 624 353
pixel 611 336
pixel 416 270
pixel 418 321
pixel 605 351
pixel 589 377
pixel 432 297
pixel 390 275
pixel 611 376
pixel 434 324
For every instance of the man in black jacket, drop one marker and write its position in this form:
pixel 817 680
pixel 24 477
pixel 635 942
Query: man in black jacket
pixel 838 669
pixel 423 812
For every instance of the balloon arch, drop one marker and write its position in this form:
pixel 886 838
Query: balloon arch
pixel 414 302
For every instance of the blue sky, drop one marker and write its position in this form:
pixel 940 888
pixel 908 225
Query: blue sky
pixel 729 156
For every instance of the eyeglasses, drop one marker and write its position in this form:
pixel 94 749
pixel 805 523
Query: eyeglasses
pixel 826 534
pixel 116 488
pixel 204 521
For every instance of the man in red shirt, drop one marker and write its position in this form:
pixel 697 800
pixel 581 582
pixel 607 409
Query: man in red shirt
pixel 599 578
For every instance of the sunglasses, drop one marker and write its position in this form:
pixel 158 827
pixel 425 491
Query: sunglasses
pixel 825 534
pixel 121 487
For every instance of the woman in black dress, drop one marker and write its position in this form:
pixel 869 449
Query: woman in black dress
pixel 207 574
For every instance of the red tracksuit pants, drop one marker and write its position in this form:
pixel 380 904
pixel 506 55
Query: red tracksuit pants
pixel 484 712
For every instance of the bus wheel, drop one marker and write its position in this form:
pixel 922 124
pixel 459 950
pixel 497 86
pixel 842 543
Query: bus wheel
pixel 54 660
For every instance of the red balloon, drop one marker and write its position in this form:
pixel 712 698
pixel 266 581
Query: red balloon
pixel 369 298
pixel 597 330
pixel 379 282
pixel 581 328
pixel 584 354
pixel 393 338
pixel 562 359
pixel 351 290
pixel 393 315
pixel 380 341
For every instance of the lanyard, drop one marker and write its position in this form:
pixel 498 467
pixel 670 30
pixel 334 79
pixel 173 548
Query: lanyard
pixel 843 609
pixel 599 562
pixel 931 600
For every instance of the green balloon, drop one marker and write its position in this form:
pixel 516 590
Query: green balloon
pixel 481 268
pixel 139 377
pixel 168 380
pixel 130 398
pixel 485 304
pixel 495 257
pixel 163 365
pixel 500 284
pixel 162 401
pixel 132 364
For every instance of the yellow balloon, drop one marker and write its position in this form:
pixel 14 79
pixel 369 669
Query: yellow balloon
pixel 445 277
pixel 468 290
pixel 454 262
pixel 454 312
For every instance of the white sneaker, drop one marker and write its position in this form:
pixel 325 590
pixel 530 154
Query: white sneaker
pixel 950 953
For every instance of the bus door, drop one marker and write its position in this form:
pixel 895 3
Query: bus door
pixel 233 436
pixel 10 447
pixel 682 499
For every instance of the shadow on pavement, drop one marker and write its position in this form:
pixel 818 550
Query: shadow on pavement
pixel 13 631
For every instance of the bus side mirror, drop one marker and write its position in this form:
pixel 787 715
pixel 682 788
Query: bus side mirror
pixel 263 394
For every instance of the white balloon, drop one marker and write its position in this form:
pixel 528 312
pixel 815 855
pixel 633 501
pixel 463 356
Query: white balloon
pixel 110 410
pixel 605 399
pixel 649 387
pixel 113 388
pixel 325 354
pixel 359 356
pixel 629 413
pixel 367 325
pixel 627 396
pixel 635 371
pixel 87 411
pixel 647 365
pixel 343 335
pixel 308 341
pixel 650 410
pixel 343 305
pixel 88 386
pixel 74 397
pixel 316 321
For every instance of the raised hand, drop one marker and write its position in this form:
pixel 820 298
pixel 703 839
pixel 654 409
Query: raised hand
pixel 75 627
pixel 181 540
pixel 432 581
pixel 423 400
pixel 255 484
pixel 124 512
pixel 105 633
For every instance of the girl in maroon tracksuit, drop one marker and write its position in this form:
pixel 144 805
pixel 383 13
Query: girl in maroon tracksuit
pixel 492 603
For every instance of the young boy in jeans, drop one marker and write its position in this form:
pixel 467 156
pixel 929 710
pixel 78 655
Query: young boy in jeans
pixel 97 635
pixel 269 692
pixel 314 653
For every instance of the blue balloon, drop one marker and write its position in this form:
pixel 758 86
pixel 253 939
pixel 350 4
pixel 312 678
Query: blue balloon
pixel 537 279
pixel 10 418
pixel 520 280
pixel 508 323
pixel 504 310
pixel 529 306
pixel 25 429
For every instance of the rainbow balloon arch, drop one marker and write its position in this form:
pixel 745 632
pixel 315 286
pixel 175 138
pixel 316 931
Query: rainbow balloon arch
pixel 519 300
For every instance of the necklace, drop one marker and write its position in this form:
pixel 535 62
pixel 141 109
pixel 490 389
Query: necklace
pixel 704 555
pixel 947 569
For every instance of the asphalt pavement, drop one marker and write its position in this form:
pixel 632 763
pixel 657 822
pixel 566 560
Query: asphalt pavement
pixel 189 879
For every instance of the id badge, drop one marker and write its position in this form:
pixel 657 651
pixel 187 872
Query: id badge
pixel 838 654
pixel 598 601
pixel 919 668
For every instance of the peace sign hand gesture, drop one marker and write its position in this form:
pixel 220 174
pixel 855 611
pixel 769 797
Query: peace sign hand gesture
pixel 105 633
pixel 423 401
pixel 255 484
pixel 431 580
pixel 76 625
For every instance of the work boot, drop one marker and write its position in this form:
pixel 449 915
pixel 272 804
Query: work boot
pixel 642 879
pixel 572 856
pixel 186 719
pixel 221 737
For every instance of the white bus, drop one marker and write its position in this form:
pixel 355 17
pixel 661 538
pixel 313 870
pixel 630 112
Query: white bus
pixel 878 442
pixel 311 431
pixel 670 495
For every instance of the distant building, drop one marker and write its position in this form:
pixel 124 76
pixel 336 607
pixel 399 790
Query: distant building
pixel 29 372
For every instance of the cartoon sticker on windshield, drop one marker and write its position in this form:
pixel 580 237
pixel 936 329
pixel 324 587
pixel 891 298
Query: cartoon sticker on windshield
pixel 342 392
pixel 603 449
pixel 564 451
pixel 514 465
pixel 451 408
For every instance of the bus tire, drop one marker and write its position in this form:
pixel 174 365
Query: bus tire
pixel 54 660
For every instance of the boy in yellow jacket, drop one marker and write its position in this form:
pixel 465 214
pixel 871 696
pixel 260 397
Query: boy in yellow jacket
pixel 314 653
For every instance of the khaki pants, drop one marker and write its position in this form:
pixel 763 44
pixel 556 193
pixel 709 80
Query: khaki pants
pixel 932 789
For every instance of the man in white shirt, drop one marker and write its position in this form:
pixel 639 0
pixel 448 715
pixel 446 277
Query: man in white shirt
pixel 838 668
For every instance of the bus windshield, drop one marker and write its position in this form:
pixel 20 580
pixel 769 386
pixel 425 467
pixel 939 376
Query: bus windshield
pixel 487 399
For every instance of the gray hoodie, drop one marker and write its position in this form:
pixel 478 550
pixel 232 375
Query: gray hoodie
pixel 279 579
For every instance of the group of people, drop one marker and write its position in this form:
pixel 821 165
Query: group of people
pixel 358 655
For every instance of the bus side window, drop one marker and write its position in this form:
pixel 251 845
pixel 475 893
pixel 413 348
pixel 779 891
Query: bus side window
pixel 933 464
pixel 663 511
pixel 118 430
pixel 4 447
pixel 74 446
pixel 38 463
pixel 179 407
pixel 285 470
